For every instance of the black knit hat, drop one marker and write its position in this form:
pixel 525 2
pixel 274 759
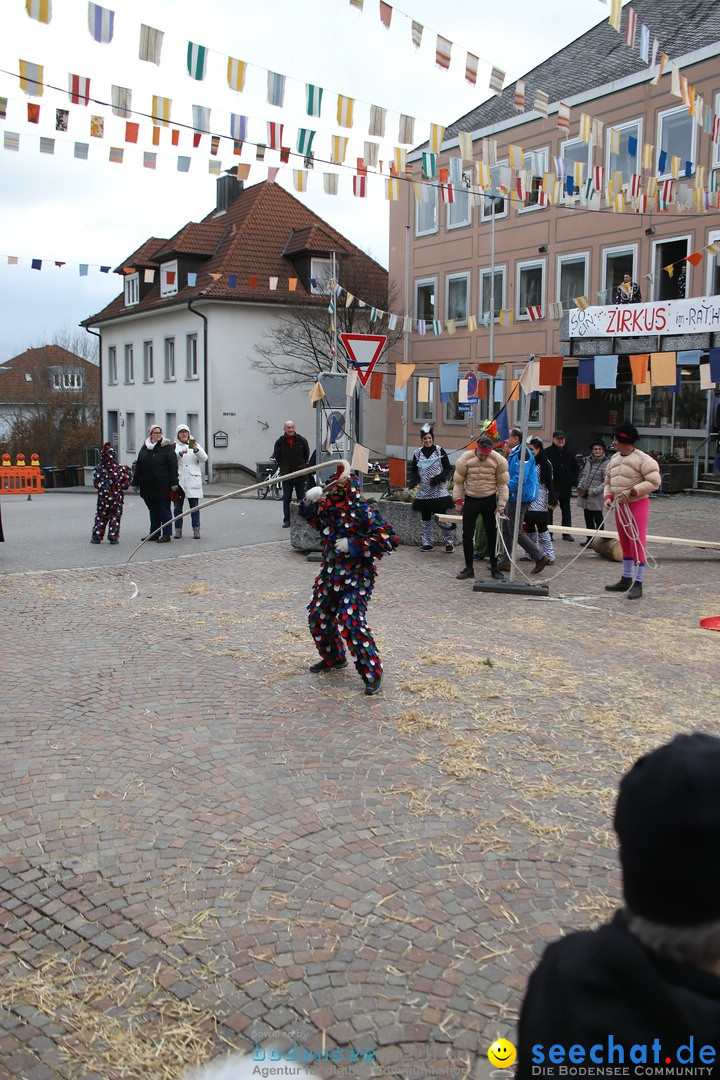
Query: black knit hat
pixel 626 432
pixel 667 819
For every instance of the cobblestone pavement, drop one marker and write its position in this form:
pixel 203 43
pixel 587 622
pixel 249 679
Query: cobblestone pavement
pixel 203 845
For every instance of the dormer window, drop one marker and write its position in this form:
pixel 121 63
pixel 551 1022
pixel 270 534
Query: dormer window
pixel 320 276
pixel 169 278
pixel 66 378
pixel 132 290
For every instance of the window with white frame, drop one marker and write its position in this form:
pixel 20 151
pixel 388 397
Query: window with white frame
pixel 457 287
pixel 498 194
pixel 535 165
pixel 675 138
pixel 425 300
pixel 576 152
pixel 130 432
pixel 169 359
pixel 628 157
pixel 530 286
pixel 148 362
pixel 320 277
pixel 423 410
pixel 713 265
pixel 616 262
pixel 192 422
pixel 112 364
pixel 672 252
pixel 149 420
pixel 572 279
pixel 426 210
pixel 458 211
pixel 498 290
pixel 129 364
pixel 132 289
pixel 191 356
pixel 170 424
pixel 536 405
pixel 169 278
pixel 452 412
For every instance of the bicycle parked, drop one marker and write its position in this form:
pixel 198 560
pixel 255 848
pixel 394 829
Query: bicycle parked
pixel 272 484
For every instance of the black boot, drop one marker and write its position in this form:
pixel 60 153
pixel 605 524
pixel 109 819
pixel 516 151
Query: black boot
pixel 620 586
pixel 635 593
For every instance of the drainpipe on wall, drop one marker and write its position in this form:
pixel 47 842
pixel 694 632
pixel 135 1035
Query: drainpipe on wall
pixel 206 418
pixel 98 335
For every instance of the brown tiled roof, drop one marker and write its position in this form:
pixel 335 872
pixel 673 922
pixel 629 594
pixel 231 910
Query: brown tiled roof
pixel 251 240
pixel 143 256
pixel 192 239
pixel 14 387
pixel 315 239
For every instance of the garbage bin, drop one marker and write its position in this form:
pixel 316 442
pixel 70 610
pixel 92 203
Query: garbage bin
pixel 51 476
pixel 263 467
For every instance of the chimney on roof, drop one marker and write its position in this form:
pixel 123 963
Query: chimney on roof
pixel 228 189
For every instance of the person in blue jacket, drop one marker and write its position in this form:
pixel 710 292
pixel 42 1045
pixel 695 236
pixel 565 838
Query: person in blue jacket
pixel 527 495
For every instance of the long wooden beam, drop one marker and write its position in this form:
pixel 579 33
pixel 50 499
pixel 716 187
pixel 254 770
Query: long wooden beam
pixel 680 541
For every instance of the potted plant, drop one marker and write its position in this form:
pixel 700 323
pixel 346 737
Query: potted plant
pixel 677 475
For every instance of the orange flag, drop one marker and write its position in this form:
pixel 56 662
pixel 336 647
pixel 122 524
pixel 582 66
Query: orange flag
pixel 583 391
pixel 376 385
pixel 551 370
pixel 639 366
pixel 397 472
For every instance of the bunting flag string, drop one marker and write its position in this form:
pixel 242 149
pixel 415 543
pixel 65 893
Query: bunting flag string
pixel 101 25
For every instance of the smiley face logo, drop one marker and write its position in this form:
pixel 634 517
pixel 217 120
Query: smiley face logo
pixel 502 1054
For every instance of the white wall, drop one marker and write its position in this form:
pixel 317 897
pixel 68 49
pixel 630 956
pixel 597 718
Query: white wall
pixel 241 400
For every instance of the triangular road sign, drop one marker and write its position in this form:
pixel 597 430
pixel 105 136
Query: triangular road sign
pixel 364 351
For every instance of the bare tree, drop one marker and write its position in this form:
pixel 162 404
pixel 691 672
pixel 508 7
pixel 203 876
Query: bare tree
pixel 298 346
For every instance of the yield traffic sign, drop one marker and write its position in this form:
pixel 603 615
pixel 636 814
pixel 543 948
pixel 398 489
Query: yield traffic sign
pixel 363 351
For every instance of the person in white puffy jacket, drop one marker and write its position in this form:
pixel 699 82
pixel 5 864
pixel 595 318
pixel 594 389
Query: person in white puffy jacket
pixel 191 458
pixel 630 478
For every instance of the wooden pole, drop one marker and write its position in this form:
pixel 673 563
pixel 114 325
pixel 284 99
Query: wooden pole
pixel 680 541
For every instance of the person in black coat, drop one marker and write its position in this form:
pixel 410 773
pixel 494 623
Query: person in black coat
pixel 644 989
pixel 291 452
pixel 565 474
pixel 156 475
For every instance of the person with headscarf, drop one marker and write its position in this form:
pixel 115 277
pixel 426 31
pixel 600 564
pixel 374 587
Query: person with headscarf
pixel 191 457
pixel 156 475
pixel 354 535
pixel 630 478
pixel 429 471
pixel 112 481
pixel 591 485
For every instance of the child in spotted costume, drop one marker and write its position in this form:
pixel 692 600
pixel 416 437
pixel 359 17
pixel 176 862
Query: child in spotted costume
pixel 354 534
pixel 112 481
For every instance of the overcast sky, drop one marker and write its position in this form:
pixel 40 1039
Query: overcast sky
pixel 57 208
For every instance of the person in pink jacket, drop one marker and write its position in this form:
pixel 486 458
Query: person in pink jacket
pixel 630 477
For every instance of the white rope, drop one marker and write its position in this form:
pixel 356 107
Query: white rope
pixel 204 504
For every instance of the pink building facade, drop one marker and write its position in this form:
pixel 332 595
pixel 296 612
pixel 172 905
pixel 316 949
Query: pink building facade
pixel 575 210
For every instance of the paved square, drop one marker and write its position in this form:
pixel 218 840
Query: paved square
pixel 202 844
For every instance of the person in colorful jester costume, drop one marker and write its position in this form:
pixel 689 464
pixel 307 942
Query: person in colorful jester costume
pixel 112 481
pixel 354 535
